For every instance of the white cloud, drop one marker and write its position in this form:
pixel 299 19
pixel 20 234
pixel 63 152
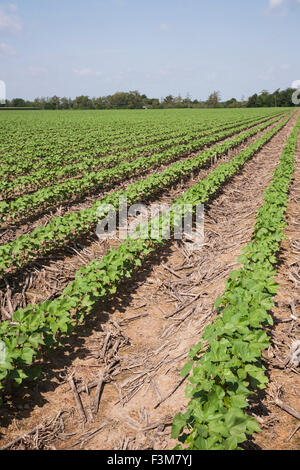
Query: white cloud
pixel 9 22
pixel 87 72
pixel 275 3
pixel 163 27
pixel 36 71
pixel 285 66
pixel 12 7
pixel 6 50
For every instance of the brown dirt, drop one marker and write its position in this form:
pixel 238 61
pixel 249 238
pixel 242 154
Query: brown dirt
pixel 277 424
pixel 145 353
pixel 26 225
pixel 45 278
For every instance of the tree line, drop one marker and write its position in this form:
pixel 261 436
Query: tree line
pixel 135 100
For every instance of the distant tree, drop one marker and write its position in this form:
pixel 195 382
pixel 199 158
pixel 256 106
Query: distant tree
pixel 18 103
pixel 187 102
pixel 264 99
pixel 276 96
pixel 252 101
pixel 284 98
pixel 101 102
pixel 65 103
pixel 37 103
pixel 178 102
pixel 126 100
pixel 82 102
pixel 151 102
pixel 243 102
pixel 118 101
pixel 213 100
pixel 54 102
pixel 169 101
pixel 232 103
pixel 202 104
pixel 135 100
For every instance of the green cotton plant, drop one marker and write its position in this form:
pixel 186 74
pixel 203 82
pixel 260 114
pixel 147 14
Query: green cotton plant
pixel 43 326
pixel 230 370
pixel 63 229
pixel 45 175
pixel 114 142
pixel 44 156
pixel 48 197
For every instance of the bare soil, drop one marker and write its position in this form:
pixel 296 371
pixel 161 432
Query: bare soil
pixel 45 278
pixel 10 231
pixel 281 430
pixel 125 361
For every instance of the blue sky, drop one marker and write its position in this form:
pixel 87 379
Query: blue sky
pixel 97 47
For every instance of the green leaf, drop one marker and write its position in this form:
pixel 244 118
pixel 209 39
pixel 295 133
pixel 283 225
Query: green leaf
pixel 186 369
pixel 179 423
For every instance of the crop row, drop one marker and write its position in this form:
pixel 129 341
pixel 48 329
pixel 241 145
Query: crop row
pixel 38 141
pixel 42 176
pixel 61 230
pixel 42 326
pixel 231 369
pixel 32 138
pixel 46 152
pixel 49 197
pixel 32 161
pixel 38 158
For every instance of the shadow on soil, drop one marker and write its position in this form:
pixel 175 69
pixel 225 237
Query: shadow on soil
pixel 55 362
pixel 18 404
